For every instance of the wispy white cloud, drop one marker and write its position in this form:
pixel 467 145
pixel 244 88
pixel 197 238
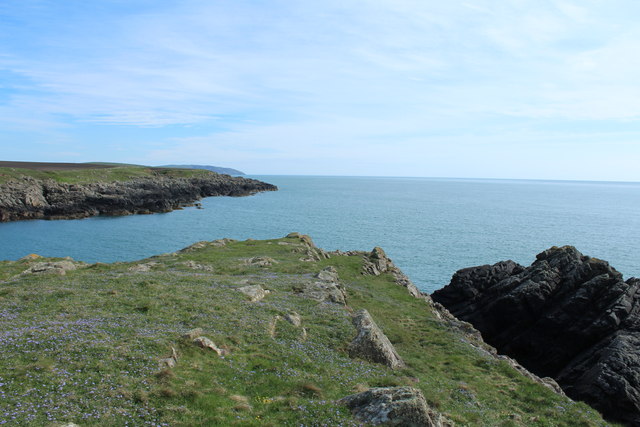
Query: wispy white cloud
pixel 318 79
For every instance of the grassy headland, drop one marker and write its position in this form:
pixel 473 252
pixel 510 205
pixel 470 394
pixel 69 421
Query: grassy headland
pixel 75 190
pixel 85 346
pixel 85 174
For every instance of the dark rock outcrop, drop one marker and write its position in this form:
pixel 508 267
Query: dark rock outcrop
pixel 393 406
pixel 30 198
pixel 567 316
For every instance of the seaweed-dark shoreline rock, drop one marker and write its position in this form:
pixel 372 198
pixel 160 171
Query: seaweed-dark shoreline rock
pixel 30 198
pixel 567 316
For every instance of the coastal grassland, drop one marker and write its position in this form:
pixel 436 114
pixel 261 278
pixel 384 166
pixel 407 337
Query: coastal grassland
pixel 91 175
pixel 84 347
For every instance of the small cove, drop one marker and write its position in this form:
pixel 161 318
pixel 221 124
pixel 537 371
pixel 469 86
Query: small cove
pixel 430 227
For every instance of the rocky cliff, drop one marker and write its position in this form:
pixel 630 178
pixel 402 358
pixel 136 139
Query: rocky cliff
pixel 567 316
pixel 30 198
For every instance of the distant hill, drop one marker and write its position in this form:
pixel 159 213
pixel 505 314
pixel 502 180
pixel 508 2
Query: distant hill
pixel 217 169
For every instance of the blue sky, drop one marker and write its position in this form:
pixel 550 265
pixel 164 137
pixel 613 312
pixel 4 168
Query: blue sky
pixel 542 89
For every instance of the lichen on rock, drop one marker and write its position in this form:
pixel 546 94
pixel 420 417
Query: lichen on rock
pixel 394 406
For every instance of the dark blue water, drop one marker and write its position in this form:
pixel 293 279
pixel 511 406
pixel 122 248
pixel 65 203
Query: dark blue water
pixel 429 227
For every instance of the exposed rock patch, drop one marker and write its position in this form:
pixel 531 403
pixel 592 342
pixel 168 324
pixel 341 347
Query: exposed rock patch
pixel 260 261
pixel 311 252
pixel 326 288
pixel 141 268
pixel 255 293
pixel 194 247
pixel 53 267
pixel 377 262
pixel 329 274
pixel 294 318
pixel 195 266
pixel 322 291
pixel 171 361
pixel 394 406
pixel 371 343
pixel 206 343
pixel 222 242
pixel 567 316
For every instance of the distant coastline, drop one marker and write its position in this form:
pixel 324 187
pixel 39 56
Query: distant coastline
pixel 217 169
pixel 30 190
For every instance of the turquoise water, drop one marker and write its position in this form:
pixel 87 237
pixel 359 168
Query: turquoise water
pixel 429 227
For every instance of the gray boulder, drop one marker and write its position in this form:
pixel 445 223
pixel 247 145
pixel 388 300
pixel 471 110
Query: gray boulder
pixel 294 318
pixel 206 343
pixel 378 262
pixel 393 406
pixel 260 261
pixel 322 291
pixel 371 343
pixel 255 293
pixel 329 274
pixel 55 267
pixel 171 361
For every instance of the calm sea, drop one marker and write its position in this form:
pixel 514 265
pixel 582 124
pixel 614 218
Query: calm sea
pixel 429 227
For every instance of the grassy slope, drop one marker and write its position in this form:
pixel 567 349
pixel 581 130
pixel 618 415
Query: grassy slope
pixel 85 347
pixel 83 176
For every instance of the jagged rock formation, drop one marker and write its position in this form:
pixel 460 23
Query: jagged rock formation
pixel 371 343
pixel 567 316
pixel 394 406
pixel 377 262
pixel 30 198
pixel 326 288
pixel 322 291
pixel 310 250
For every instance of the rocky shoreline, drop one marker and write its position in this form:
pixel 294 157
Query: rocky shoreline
pixel 567 316
pixel 30 198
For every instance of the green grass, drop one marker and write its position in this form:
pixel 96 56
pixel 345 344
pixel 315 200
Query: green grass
pixel 84 176
pixel 84 347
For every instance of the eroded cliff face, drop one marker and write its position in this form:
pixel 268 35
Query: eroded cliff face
pixel 29 198
pixel 567 316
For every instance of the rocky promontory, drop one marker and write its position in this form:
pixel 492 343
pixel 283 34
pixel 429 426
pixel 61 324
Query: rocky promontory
pixel 27 197
pixel 567 316
pixel 251 333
